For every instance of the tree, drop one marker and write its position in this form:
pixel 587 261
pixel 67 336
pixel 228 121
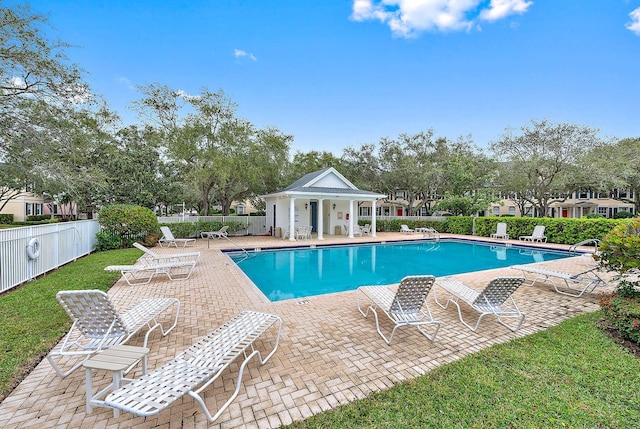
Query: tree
pixel 548 156
pixel 408 164
pixel 47 127
pixel 308 162
pixel 132 165
pixel 617 166
pixel 32 67
pixel 226 157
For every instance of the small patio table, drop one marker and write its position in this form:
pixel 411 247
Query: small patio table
pixel 119 360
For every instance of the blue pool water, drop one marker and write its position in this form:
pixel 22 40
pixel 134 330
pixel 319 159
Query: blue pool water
pixel 297 273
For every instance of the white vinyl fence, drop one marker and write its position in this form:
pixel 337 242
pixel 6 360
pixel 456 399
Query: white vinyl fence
pixel 30 251
pixel 253 225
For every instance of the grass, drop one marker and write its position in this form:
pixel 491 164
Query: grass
pixel 33 321
pixel 571 375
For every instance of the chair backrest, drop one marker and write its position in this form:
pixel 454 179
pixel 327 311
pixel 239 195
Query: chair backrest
pixel 404 227
pixel 501 228
pixel 94 313
pixel 366 228
pixel 412 293
pixel 498 291
pixel 223 229
pixel 538 231
pixel 167 233
pixel 145 250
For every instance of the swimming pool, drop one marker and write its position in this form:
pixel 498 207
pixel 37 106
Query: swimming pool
pixel 303 272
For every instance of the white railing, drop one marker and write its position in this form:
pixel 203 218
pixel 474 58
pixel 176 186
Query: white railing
pixel 431 218
pixel 254 225
pixel 30 251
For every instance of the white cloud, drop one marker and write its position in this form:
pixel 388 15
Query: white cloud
pixel 186 96
pixel 634 25
pixel 239 53
pixel 126 82
pixel 499 9
pixel 408 18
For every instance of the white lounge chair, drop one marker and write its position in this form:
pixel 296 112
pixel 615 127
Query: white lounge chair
pixel 537 235
pixel 577 284
pixel 495 299
pixel 153 257
pixel 405 229
pixel 303 232
pixel 366 230
pixel 406 307
pixel 98 324
pixel 196 368
pixel 144 272
pixel 501 231
pixel 221 233
pixel 170 240
pixel 428 232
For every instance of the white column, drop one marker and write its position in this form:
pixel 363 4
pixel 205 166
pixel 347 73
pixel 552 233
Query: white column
pixel 292 219
pixel 373 218
pixel 320 220
pixel 351 218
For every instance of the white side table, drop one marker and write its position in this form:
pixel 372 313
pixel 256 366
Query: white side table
pixel 119 360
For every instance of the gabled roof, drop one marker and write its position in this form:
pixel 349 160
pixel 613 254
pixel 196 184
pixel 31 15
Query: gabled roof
pixel 326 182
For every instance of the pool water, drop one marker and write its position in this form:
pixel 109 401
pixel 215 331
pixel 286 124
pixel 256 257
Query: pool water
pixel 304 272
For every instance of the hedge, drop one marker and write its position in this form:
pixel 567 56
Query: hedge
pixel 557 230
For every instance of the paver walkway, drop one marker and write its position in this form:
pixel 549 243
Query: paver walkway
pixel 329 354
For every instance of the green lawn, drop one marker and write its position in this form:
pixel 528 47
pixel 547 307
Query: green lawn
pixel 571 375
pixel 33 321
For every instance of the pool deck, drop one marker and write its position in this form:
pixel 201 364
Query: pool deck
pixel 329 354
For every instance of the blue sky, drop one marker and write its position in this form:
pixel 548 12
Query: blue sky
pixel 342 73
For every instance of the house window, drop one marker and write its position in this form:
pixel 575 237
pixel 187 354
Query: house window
pixel 240 209
pixel 365 211
pixel 496 210
pixel 29 209
pixel 38 209
pixel 400 195
pixel 55 209
pixel 583 195
pixel 512 210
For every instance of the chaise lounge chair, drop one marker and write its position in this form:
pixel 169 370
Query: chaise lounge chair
pixel 157 258
pixel 577 284
pixel 144 272
pixel 195 369
pixel 537 235
pixel 98 325
pixel 496 299
pixel 405 229
pixel 406 307
pixel 501 231
pixel 221 233
pixel 167 237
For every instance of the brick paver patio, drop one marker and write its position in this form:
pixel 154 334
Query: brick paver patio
pixel 329 354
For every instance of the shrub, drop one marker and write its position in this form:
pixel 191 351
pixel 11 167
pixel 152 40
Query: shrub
pixel 623 215
pixel 106 240
pixel 622 314
pixel 6 219
pixel 620 249
pixel 620 252
pixel 594 216
pixel 129 222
